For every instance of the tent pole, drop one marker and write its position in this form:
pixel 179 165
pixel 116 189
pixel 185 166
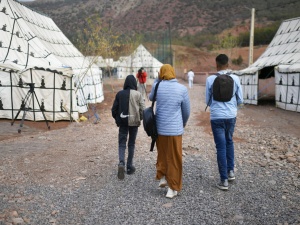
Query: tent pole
pixel 11 94
pixel 298 94
pixel 32 97
pixel 287 90
pixel 71 98
pixel 54 99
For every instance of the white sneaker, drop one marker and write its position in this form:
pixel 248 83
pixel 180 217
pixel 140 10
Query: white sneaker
pixel 163 182
pixel 171 193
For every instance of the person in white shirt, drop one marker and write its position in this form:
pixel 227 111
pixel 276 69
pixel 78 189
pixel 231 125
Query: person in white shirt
pixel 191 78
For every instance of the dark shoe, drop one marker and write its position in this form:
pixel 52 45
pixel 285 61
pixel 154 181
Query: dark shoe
pixel 223 185
pixel 121 170
pixel 130 170
pixel 231 176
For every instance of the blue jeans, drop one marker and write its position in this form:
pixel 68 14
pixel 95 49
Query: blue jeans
pixel 223 132
pixel 123 133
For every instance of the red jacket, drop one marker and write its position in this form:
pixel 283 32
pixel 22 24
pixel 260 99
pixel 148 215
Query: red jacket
pixel 142 77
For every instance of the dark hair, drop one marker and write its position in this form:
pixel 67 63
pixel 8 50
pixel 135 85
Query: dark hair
pixel 140 70
pixel 222 59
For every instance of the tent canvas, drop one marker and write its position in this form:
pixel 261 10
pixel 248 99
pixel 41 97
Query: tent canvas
pixel 287 80
pixel 141 57
pixel 281 60
pixel 34 50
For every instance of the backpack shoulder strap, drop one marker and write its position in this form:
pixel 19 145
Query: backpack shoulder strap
pixel 155 91
pixel 210 97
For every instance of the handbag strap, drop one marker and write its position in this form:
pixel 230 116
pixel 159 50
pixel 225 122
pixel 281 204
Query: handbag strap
pixel 155 91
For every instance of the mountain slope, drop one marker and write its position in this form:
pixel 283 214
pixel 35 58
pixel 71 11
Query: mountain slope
pixel 185 16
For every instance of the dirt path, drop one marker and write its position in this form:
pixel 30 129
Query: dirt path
pixel 68 176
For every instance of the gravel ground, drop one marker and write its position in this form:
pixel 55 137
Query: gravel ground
pixel 69 176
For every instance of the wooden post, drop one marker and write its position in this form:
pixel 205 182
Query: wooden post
pixel 251 37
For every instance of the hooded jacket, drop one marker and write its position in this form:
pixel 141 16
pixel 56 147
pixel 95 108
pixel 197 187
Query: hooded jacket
pixel 128 106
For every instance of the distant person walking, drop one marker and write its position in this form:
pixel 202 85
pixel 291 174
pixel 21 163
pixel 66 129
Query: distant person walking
pixel 127 110
pixel 223 119
pixel 142 78
pixel 172 114
pixel 191 78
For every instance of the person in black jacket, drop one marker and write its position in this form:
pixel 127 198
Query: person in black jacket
pixel 127 110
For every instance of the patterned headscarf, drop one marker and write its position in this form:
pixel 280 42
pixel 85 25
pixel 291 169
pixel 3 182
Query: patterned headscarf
pixel 167 72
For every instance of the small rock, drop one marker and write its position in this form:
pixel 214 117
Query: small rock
pixel 54 212
pixel 279 164
pixel 17 196
pixel 273 182
pixel 289 154
pixel 263 164
pixel 291 159
pixel 168 205
pixel 14 214
pixel 238 217
pixel 26 220
pixel 80 178
pixel 52 220
pixel 282 156
pixel 42 137
pixel 274 157
pixel 17 221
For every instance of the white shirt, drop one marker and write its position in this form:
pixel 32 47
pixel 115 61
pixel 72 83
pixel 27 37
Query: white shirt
pixel 191 75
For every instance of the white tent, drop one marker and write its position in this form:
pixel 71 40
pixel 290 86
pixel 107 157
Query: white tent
pixel 34 50
pixel 141 57
pixel 280 60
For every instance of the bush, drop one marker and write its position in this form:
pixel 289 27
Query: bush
pixel 237 61
pixel 262 35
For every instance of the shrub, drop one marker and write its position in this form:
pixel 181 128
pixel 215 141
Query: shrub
pixel 237 61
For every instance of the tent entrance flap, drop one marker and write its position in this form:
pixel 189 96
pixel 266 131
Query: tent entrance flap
pixel 266 85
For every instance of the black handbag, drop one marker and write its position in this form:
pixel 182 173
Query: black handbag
pixel 149 120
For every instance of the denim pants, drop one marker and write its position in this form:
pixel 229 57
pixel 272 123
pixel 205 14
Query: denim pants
pixel 223 132
pixel 123 133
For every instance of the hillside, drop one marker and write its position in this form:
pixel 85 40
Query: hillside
pixel 186 16
pixel 202 61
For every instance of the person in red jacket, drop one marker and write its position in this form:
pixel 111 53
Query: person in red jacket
pixel 142 78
